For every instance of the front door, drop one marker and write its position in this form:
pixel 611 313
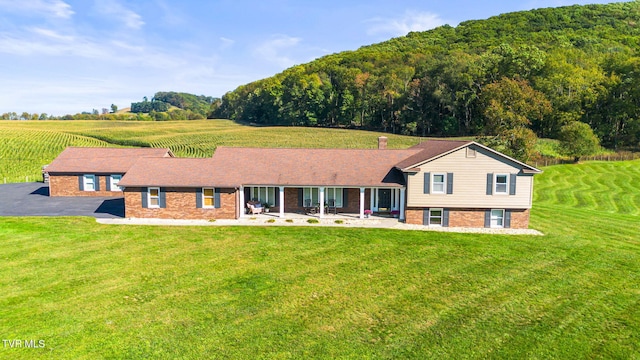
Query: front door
pixel 384 200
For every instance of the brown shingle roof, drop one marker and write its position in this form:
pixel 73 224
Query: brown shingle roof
pixel 171 172
pixel 430 149
pixel 101 160
pixel 233 167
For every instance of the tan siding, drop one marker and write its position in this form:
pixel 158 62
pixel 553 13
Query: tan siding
pixel 470 183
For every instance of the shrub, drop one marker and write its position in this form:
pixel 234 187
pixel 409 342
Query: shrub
pixel 339 221
pixel 313 221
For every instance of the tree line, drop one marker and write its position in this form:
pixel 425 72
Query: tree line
pixel 509 79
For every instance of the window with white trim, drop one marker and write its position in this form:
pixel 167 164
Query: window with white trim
pixel 208 198
pixel 501 184
pixel 334 193
pixel 497 218
pixel 435 217
pixel 438 183
pixel 115 179
pixel 264 194
pixel 89 182
pixel 153 197
pixel 311 193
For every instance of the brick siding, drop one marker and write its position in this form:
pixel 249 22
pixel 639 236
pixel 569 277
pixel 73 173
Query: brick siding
pixel 470 217
pixel 180 204
pixel 67 185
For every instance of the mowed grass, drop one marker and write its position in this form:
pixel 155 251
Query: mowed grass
pixel 95 291
pixel 27 145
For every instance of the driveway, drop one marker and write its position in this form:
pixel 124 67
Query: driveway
pixel 32 199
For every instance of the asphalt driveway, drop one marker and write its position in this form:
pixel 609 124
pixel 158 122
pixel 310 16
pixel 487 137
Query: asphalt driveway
pixel 32 199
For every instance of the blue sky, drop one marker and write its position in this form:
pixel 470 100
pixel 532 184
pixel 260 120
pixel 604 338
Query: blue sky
pixel 69 56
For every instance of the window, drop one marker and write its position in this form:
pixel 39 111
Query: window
pixel 153 196
pixel 501 184
pixel 435 217
pixel 89 183
pixel 497 218
pixel 115 179
pixel 208 198
pixel 310 193
pixel 438 183
pixel 334 193
pixel 264 194
pixel 471 153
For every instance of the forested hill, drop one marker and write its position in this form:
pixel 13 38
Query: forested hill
pixel 511 76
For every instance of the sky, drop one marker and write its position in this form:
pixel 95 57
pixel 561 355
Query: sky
pixel 68 56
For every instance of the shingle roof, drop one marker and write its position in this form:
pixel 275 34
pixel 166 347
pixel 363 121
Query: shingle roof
pixel 171 172
pixel 101 160
pixel 233 167
pixel 430 149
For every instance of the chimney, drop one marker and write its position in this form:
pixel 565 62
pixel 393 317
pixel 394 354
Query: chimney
pixel 382 143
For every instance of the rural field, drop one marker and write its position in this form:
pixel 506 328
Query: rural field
pixel 27 145
pixel 96 291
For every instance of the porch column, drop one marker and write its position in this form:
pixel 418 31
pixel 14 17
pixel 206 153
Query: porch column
pixel 371 203
pixel 281 201
pixel 396 199
pixel 241 207
pixel 361 203
pixel 402 191
pixel 321 202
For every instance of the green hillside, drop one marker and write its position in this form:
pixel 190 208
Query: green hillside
pixel 533 70
pixel 96 291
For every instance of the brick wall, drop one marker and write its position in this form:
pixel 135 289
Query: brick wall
pixel 470 217
pixel 180 204
pixel 67 185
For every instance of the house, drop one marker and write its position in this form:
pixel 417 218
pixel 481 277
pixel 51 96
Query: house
pixel 84 171
pixel 435 183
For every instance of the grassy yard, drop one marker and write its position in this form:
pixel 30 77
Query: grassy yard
pixel 93 291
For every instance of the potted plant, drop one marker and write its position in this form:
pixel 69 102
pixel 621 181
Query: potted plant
pixel 266 207
pixel 367 213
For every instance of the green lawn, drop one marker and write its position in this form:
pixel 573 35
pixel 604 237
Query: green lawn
pixel 96 291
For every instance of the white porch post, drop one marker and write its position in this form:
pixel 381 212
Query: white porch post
pixel 241 207
pixel 371 203
pixel 396 199
pixel 402 194
pixel 361 203
pixel 281 201
pixel 321 202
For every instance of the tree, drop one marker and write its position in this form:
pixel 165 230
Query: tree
pixel 577 139
pixel 114 108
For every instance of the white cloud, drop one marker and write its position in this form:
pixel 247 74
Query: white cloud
pixel 119 12
pixel 272 50
pixel 226 42
pixel 411 21
pixel 50 8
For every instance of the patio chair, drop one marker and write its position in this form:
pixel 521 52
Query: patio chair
pixel 331 207
pixel 254 208
pixel 308 208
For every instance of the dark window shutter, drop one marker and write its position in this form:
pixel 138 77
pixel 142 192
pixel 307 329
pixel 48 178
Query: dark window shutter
pixel 199 198
pixel 81 182
pixel 276 195
pixel 300 195
pixel 445 217
pixel 507 218
pixel 345 199
pixel 490 184
pixel 512 184
pixel 144 191
pixel 163 198
pixel 427 183
pixel 425 216
pixel 449 183
pixel 487 218
pixel 96 180
pixel 108 182
pixel 216 200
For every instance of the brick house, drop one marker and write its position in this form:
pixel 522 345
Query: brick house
pixel 85 171
pixel 435 183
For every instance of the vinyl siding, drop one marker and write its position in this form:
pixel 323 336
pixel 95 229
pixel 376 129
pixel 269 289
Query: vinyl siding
pixel 470 182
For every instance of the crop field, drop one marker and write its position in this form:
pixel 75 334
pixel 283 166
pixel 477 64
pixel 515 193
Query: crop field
pixel 93 291
pixel 27 145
